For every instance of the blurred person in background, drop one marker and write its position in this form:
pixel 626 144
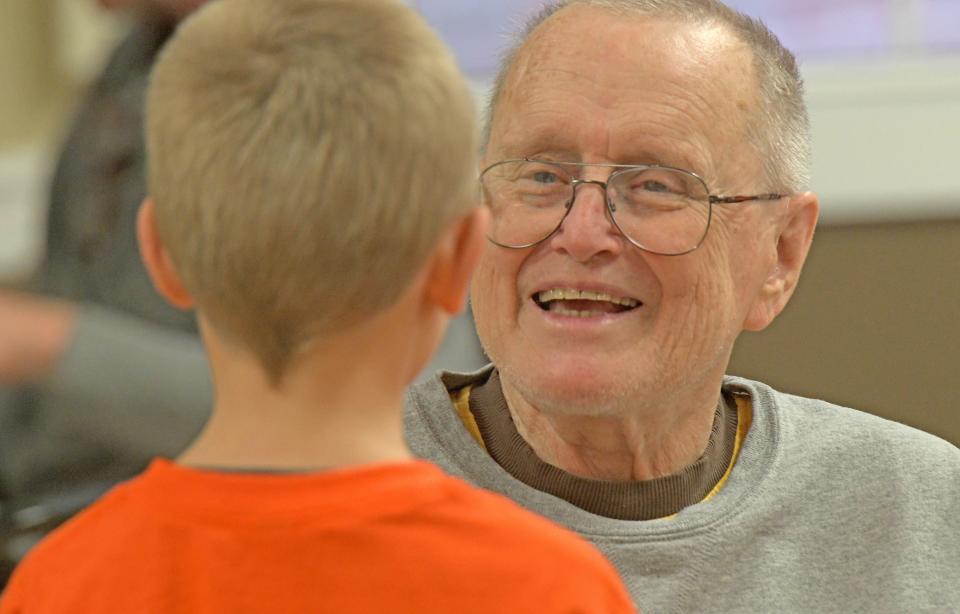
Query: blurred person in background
pixel 97 373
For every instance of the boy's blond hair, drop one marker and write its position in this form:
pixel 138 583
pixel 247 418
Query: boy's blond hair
pixel 304 156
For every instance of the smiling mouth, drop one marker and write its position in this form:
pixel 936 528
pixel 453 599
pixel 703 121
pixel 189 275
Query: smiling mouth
pixel 583 303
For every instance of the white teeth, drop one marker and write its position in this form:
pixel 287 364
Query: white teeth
pixel 556 294
pixel 573 313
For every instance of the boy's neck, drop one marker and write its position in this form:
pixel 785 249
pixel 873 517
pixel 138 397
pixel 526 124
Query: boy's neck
pixel 340 405
pixel 282 432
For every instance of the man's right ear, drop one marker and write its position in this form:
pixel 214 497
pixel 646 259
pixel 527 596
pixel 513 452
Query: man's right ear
pixel 157 260
pixel 455 258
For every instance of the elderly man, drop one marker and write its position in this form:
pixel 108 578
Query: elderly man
pixel 645 167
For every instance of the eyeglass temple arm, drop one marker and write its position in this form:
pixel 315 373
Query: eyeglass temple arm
pixel 742 199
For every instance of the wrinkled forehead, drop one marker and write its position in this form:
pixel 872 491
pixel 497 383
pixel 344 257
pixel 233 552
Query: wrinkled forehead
pixel 592 79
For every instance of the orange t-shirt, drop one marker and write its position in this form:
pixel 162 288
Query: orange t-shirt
pixel 401 537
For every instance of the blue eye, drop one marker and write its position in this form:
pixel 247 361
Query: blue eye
pixel 653 186
pixel 545 177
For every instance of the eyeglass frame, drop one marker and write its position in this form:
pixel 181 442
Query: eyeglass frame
pixel 611 207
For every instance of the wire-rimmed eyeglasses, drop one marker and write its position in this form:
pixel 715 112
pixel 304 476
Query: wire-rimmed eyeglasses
pixel 660 209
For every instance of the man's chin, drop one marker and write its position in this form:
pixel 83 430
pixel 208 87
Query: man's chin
pixel 576 392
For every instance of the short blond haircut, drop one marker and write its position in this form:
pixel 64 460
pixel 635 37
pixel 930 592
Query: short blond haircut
pixel 304 157
pixel 779 130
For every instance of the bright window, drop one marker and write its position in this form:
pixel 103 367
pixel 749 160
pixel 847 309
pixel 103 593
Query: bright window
pixel 478 30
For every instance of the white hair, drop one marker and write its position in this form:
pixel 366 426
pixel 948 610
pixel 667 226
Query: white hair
pixel 779 131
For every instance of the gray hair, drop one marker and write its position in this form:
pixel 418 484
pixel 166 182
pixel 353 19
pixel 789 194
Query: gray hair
pixel 780 130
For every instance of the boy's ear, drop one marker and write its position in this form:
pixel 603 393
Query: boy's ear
pixel 454 259
pixel 157 260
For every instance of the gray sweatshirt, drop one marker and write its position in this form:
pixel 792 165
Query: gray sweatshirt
pixel 827 509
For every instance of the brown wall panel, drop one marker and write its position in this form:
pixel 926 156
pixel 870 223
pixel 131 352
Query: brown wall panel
pixel 875 325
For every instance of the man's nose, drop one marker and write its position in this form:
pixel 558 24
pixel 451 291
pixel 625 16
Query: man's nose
pixel 587 230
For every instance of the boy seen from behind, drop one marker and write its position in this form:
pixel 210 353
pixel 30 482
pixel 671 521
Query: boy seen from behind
pixel 312 179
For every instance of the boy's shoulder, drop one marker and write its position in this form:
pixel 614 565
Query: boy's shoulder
pixel 528 534
pixel 56 559
pixel 111 515
pixel 544 566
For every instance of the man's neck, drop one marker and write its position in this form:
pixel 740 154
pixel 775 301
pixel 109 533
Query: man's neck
pixel 643 442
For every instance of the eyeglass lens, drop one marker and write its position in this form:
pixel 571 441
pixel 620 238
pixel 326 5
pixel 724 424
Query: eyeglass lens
pixel 662 210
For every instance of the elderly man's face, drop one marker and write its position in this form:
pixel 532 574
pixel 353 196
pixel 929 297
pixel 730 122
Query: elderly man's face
pixel 594 87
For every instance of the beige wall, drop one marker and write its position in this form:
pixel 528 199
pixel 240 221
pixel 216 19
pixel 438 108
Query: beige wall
pixel 28 68
pixel 48 50
pixel 875 325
